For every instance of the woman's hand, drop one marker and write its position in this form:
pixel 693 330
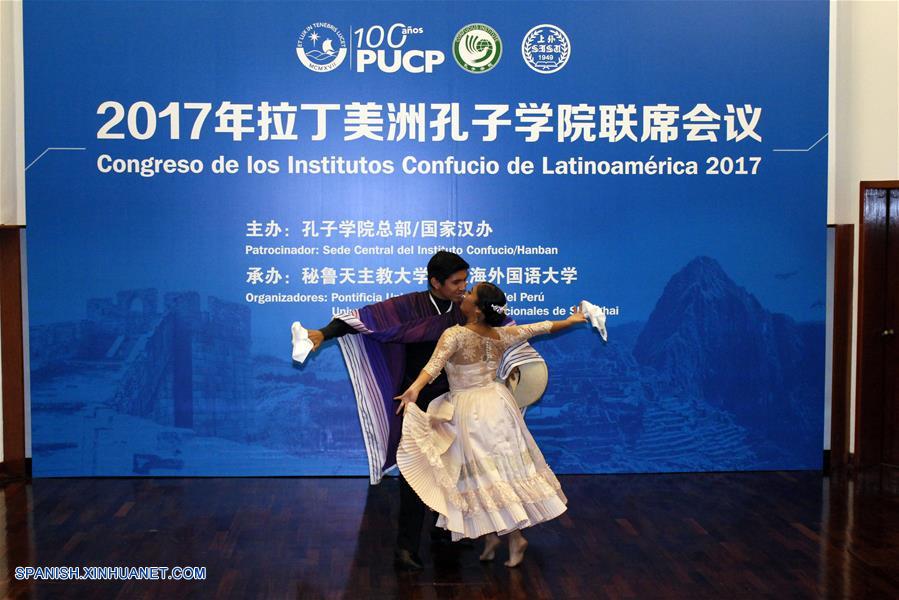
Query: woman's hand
pixel 408 397
pixel 577 316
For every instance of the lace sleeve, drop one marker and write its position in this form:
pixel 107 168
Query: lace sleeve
pixel 519 333
pixel 446 347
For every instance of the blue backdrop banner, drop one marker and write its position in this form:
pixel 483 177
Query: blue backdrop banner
pixel 202 174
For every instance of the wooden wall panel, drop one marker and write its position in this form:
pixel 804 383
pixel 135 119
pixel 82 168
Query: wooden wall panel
pixel 11 354
pixel 841 368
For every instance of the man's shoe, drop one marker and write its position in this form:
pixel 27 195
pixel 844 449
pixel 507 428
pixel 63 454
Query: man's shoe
pixel 406 561
pixel 441 536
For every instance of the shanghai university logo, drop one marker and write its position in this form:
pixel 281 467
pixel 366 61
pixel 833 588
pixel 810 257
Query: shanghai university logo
pixel 477 48
pixel 546 48
pixel 321 47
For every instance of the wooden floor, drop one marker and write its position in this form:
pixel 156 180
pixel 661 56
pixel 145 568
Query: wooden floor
pixel 748 535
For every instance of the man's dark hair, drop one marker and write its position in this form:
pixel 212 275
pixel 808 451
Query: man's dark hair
pixel 443 264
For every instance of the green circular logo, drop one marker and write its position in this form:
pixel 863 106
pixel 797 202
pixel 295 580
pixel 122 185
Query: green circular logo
pixel 477 48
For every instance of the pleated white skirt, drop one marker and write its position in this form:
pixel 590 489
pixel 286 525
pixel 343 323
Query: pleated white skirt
pixel 471 459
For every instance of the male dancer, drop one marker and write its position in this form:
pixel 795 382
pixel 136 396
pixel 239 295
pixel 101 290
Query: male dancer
pixel 399 336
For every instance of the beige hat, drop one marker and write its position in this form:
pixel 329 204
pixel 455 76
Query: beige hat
pixel 530 384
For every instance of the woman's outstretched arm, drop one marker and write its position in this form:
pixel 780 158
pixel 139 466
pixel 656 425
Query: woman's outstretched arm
pixel 530 330
pixel 573 319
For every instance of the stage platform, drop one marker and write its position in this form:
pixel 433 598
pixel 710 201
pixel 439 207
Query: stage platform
pixel 702 535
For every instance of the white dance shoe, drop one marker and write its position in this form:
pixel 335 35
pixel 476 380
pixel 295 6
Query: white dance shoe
pixel 597 318
pixel 302 345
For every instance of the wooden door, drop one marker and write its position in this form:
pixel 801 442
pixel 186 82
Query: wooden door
pixel 889 335
pixel 877 357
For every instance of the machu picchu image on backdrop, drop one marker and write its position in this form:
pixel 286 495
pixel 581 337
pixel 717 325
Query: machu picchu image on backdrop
pixel 162 383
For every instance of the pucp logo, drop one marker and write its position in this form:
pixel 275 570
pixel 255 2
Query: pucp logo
pixel 546 48
pixel 321 47
pixel 386 49
pixel 477 48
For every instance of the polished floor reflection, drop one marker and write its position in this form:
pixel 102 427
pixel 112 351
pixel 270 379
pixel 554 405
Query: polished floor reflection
pixel 722 535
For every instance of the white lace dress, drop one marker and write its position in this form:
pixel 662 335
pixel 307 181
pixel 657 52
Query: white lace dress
pixel 470 457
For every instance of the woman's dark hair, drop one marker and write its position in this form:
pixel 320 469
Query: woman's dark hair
pixel 443 264
pixel 489 296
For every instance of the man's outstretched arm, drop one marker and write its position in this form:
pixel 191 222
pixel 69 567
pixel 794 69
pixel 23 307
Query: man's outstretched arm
pixel 335 329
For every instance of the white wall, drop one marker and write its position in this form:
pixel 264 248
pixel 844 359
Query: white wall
pixel 864 116
pixel 12 116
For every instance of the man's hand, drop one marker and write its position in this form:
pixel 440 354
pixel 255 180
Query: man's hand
pixel 316 337
pixel 408 397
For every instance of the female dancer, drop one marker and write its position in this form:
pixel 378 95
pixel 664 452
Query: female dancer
pixel 470 457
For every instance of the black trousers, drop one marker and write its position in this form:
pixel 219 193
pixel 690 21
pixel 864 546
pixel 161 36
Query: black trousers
pixel 412 509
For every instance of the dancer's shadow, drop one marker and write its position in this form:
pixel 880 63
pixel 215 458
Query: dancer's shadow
pixel 371 570
pixel 372 574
